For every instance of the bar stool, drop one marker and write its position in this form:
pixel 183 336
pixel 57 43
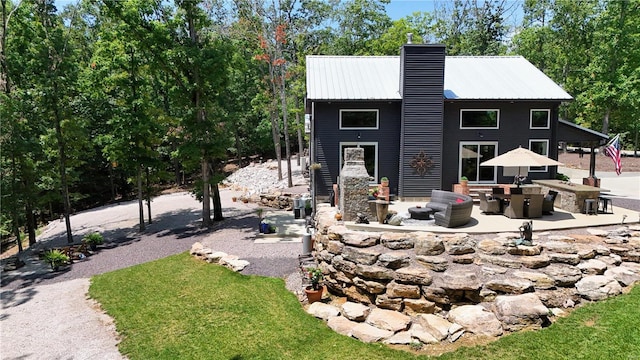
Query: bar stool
pixel 604 203
pixel 590 207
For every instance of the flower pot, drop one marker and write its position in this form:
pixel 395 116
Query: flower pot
pixel 296 213
pixel 234 199
pixel 313 295
pixel 264 228
pixel 382 208
pixel 338 216
pixel 307 211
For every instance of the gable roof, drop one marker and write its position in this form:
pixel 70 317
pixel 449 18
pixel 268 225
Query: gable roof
pixel 465 78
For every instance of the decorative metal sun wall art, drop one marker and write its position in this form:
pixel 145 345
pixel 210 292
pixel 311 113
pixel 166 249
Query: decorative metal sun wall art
pixel 422 163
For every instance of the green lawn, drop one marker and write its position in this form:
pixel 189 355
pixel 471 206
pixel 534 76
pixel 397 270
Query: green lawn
pixel 183 308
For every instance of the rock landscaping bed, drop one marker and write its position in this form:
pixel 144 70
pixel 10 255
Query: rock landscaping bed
pixel 404 288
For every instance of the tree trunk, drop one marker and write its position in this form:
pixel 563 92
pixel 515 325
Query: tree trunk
pixel 206 197
pixel 148 193
pixel 217 204
pixel 140 197
pixel 62 165
pixel 31 222
pixel 275 133
pixel 300 139
pixel 605 121
pixel 283 100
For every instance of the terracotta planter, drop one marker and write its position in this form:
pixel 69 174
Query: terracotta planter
pixel 313 295
pixel 234 199
pixel 338 216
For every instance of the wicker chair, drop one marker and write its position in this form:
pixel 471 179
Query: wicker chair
pixel 515 210
pixel 533 207
pixel 547 203
pixel 488 206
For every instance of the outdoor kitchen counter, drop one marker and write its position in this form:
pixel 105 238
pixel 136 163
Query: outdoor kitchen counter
pixel 571 196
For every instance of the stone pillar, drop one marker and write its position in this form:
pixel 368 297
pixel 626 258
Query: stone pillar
pixel 354 185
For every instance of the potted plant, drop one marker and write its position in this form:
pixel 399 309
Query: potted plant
pixel 464 181
pixel 93 240
pixel 384 181
pixel 56 258
pixel 314 291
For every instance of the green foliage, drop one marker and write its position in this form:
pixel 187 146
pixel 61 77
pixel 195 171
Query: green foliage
pixel 56 258
pixel 93 238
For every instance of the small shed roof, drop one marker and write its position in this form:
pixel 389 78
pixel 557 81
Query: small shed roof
pixel 465 78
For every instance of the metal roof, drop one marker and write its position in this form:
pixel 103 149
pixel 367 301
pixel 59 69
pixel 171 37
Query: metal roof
pixel 465 78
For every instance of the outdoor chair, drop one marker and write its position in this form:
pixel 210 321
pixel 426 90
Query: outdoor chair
pixel 515 210
pixel 547 203
pixel 488 206
pixel 533 206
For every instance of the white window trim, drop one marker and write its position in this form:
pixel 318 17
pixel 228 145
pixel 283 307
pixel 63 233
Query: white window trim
pixel 539 127
pixel 360 128
pixel 485 128
pixel 357 144
pixel 546 168
pixel 495 168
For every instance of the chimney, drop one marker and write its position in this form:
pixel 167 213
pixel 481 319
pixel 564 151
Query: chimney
pixel 409 38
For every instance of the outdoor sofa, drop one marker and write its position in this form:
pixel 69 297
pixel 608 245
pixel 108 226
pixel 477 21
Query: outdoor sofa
pixel 451 209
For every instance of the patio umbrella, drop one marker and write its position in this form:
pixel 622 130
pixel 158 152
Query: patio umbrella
pixel 469 154
pixel 520 157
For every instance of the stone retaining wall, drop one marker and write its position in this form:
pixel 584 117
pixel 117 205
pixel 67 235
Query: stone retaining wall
pixel 483 284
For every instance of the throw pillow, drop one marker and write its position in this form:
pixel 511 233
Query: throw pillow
pixel 458 200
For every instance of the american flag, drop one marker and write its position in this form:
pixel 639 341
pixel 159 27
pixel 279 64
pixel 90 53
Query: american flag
pixel 612 150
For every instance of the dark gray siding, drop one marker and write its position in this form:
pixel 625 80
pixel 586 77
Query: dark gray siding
pixel 328 137
pixel 422 115
pixel 514 131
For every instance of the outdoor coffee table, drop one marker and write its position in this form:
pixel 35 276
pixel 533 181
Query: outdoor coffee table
pixel 421 213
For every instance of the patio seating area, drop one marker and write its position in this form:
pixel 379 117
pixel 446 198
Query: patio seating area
pixel 491 223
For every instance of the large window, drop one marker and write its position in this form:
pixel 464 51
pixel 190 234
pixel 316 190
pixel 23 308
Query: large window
pixel 539 147
pixel 370 157
pixel 540 118
pixel 354 119
pixel 479 119
pixel 471 155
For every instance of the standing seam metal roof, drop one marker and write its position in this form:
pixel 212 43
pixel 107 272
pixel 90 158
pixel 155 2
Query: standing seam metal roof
pixel 465 78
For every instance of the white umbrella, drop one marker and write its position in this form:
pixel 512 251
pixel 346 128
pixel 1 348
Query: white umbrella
pixel 520 157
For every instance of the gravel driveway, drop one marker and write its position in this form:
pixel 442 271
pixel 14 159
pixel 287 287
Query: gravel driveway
pixel 46 315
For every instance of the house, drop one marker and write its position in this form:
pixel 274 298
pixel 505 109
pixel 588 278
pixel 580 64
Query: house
pixel 425 119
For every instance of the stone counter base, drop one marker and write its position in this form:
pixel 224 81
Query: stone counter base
pixel 482 284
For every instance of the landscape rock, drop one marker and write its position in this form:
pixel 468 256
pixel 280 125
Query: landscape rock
pixel 397 241
pixel 571 259
pixel 385 302
pixel 360 239
pixel 322 310
pixel 492 247
pixel 459 280
pixel 435 263
pixel 400 338
pixel 355 311
pixel 374 272
pixel 370 286
pixel 592 267
pixel 475 319
pixel 369 333
pixel 398 290
pixel 435 325
pixel 539 280
pixel 413 275
pixel 341 325
pixel 598 287
pixel 360 256
pixel 563 274
pixel 394 260
pixel 459 244
pixel 428 244
pixel 388 320
pixel 510 285
pixel 520 311
pixel 418 332
pixel 523 250
pixel 215 256
pixel 624 275
pixel 419 306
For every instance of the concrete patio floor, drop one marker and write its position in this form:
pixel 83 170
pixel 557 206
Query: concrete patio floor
pixel 481 223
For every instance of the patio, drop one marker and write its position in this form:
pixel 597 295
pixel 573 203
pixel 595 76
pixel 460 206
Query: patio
pixel 481 223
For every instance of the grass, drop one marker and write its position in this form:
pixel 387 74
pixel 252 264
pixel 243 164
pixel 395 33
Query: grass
pixel 182 308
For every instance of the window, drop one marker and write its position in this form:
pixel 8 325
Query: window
pixel 479 119
pixel 540 118
pixel 370 157
pixel 471 155
pixel 358 119
pixel 540 147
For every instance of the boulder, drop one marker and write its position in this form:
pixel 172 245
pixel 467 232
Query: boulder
pixel 374 272
pixel 195 248
pixel 435 263
pixel 322 310
pixel 624 275
pixel 419 306
pixel 520 311
pixel 418 332
pixel 571 259
pixel 475 319
pixel 360 239
pixel 500 261
pixel 510 285
pixel 215 257
pixel 535 262
pixel 397 241
pixel 539 280
pixel 435 325
pixel 335 247
pixel 394 260
pixel 398 290
pixel 388 320
pixel 370 286
pixel 523 250
pixel 385 302
pixel 560 247
pixel 459 280
pixel 428 244
pixel 360 256
pixel 563 274
pixel 492 247
pixel 400 338
pixel 354 311
pixel 343 265
pixel 341 325
pixel 413 275
pixel 592 267
pixel 368 333
pixel 598 287
pixel 458 244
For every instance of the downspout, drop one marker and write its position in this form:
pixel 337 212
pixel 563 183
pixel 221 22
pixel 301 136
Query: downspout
pixel 312 155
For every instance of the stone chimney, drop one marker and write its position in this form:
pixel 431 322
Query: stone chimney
pixel 354 185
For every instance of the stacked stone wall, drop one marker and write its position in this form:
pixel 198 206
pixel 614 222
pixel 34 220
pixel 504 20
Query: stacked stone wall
pixel 419 273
